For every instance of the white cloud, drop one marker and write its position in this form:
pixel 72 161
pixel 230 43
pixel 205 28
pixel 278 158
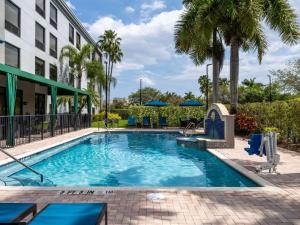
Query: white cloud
pixel 155 5
pixel 129 10
pixel 70 5
pixel 146 80
pixel 148 8
pixel 144 43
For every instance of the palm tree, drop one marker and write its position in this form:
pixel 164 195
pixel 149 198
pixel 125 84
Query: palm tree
pixel 240 23
pixel 78 59
pixel 201 42
pixel 110 44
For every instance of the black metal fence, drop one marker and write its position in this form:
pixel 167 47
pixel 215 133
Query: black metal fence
pixel 29 128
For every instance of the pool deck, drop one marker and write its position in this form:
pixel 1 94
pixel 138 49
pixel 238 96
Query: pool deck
pixel 205 206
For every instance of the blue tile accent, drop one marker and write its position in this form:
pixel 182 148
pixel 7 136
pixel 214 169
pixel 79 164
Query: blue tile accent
pixel 214 126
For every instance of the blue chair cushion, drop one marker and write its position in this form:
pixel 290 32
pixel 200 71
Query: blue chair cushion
pixel 146 121
pixel 10 211
pixel 163 121
pixel 131 121
pixel 69 214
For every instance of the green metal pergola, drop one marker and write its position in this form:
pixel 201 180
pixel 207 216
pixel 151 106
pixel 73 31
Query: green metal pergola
pixel 54 89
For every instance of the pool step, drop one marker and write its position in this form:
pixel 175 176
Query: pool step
pixel 17 181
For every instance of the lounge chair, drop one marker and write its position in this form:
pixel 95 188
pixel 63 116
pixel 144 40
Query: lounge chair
pixel 146 121
pixel 15 212
pixel 131 121
pixel 71 214
pixel 163 122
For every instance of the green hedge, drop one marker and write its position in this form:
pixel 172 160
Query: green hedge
pixel 285 116
pixel 172 113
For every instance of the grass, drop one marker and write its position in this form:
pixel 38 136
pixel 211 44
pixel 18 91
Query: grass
pixel 122 124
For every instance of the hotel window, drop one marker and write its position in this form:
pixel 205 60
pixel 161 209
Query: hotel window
pixel 53 72
pixel 12 18
pixel 71 34
pixel 40 7
pixel 53 46
pixel 78 41
pixel 12 55
pixel 39 67
pixel 53 16
pixel 39 37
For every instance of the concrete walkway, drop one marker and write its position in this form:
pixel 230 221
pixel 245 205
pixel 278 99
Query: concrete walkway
pixel 187 207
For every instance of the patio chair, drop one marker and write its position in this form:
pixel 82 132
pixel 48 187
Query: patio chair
pixel 131 121
pixel 15 212
pixel 146 121
pixel 71 214
pixel 163 122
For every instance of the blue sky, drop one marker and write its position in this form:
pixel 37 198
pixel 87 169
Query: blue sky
pixel 147 27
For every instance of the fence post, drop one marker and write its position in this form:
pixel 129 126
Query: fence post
pixel 29 135
pixel 61 124
pixel 42 133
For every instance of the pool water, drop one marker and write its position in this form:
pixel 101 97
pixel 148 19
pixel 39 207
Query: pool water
pixel 134 159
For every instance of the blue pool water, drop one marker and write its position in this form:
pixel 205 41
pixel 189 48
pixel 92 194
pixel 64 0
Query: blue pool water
pixel 133 159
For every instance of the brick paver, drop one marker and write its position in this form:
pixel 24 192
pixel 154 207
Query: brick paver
pixel 191 207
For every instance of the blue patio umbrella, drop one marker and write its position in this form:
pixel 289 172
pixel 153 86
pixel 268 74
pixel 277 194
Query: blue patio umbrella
pixel 156 103
pixel 191 103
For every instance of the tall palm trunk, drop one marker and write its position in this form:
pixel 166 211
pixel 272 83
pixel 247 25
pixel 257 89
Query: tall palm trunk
pixel 79 80
pixel 109 83
pixel 100 94
pixel 234 74
pixel 216 69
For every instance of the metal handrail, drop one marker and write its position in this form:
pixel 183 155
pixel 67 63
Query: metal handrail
pixel 188 127
pixel 23 164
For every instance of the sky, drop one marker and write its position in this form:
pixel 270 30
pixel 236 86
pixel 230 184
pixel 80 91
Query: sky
pixel 147 31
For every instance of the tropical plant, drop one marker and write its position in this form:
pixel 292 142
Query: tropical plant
pixel 110 44
pixel 240 23
pixel 78 59
pixel 194 37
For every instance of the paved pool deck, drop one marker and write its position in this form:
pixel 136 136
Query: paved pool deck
pixel 234 206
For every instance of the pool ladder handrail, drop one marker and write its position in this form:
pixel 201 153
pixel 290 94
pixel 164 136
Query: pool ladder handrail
pixel 189 126
pixel 23 164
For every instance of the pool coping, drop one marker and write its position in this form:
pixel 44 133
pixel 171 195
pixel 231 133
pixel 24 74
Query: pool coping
pixel 265 185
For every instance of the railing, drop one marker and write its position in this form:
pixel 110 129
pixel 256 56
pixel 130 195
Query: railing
pixel 189 126
pixel 23 164
pixel 17 130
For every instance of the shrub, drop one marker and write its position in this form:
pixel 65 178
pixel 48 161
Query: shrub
pixel 101 116
pixel 244 124
pixel 172 113
pixel 123 113
pixel 284 116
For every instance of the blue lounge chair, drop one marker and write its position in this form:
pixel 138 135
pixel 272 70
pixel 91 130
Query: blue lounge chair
pixel 15 212
pixel 255 143
pixel 131 121
pixel 163 122
pixel 71 214
pixel 146 121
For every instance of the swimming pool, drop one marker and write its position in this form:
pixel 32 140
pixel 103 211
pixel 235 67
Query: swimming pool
pixel 128 159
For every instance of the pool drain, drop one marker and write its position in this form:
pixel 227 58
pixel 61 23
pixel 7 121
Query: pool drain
pixel 156 196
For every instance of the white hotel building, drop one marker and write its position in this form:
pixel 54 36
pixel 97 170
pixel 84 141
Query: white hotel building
pixel 32 33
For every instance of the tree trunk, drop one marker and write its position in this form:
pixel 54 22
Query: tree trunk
pixel 109 84
pixel 216 70
pixel 100 95
pixel 234 74
pixel 79 80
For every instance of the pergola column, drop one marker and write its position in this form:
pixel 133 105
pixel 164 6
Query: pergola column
pixel 53 108
pixel 76 102
pixel 11 91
